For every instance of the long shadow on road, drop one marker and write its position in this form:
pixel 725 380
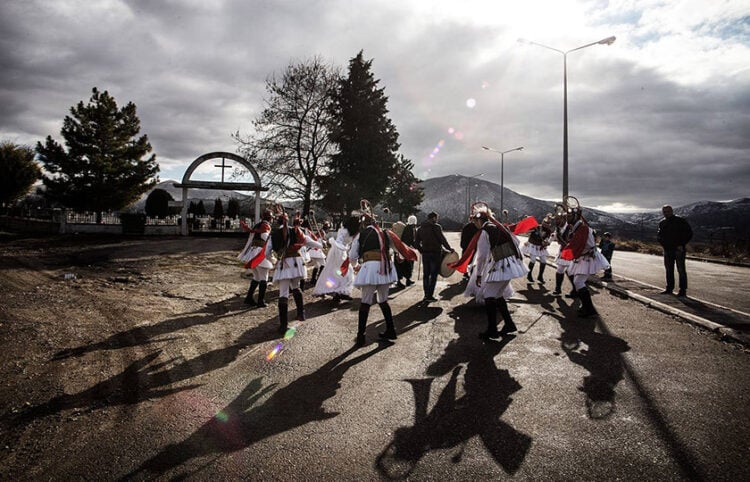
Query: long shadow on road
pixel 453 421
pixel 241 424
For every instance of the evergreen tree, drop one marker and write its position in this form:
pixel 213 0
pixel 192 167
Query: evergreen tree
pixel 104 166
pixel 218 209
pixel 18 171
pixel 366 139
pixel 201 209
pixel 404 195
pixel 233 208
pixel 192 208
pixel 157 203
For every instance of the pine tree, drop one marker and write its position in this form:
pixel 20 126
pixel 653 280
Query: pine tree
pixel 233 208
pixel 367 142
pixel 157 203
pixel 218 209
pixel 18 171
pixel 201 209
pixel 104 166
pixel 404 195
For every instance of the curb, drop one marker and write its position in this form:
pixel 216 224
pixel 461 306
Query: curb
pixel 726 333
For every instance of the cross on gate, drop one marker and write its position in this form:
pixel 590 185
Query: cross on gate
pixel 222 166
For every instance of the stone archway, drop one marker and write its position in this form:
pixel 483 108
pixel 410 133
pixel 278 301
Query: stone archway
pixel 188 183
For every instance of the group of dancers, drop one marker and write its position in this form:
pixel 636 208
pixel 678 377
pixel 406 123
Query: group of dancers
pixel 361 255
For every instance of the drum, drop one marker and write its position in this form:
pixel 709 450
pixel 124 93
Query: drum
pixel 448 258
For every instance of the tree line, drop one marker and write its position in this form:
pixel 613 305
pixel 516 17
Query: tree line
pixel 323 139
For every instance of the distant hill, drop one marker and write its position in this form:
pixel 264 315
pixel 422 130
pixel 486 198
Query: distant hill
pixel 449 196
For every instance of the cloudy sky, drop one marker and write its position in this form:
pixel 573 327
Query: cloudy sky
pixel 661 115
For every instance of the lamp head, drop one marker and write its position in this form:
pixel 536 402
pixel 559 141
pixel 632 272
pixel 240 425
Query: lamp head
pixel 607 41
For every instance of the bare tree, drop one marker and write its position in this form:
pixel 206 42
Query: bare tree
pixel 290 147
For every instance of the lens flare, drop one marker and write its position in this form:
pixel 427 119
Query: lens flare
pixel 221 417
pixel 330 283
pixel 471 103
pixel 289 334
pixel 276 350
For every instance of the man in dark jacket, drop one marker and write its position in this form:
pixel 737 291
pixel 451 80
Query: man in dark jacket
pixel 430 242
pixel 674 234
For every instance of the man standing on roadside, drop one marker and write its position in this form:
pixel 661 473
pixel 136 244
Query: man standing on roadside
pixel 430 241
pixel 674 234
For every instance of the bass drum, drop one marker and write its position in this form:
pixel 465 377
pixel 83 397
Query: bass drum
pixel 448 258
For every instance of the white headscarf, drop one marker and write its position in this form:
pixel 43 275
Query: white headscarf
pixel 411 219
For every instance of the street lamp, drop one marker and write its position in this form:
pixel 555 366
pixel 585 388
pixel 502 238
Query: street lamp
pixel 502 158
pixel 606 41
pixel 468 193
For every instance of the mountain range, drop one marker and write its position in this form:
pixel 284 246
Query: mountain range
pixel 450 197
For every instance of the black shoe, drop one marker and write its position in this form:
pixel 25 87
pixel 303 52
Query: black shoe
pixel 572 295
pixel 400 285
pixel 584 313
pixel 681 294
pixel 430 298
pixel 250 302
pixel 557 293
pixel 507 330
pixel 388 335
pixel 282 329
pixel 261 304
pixel 487 335
pixel 666 292
pixel 409 282
pixel 360 340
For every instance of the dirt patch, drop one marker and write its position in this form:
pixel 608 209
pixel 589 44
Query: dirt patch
pixel 79 314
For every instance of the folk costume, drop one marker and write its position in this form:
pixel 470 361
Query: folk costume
pixel 286 242
pixel 584 259
pixel 254 257
pixel 336 278
pixel 562 234
pixel 536 248
pixel 497 260
pixel 317 255
pixel 370 254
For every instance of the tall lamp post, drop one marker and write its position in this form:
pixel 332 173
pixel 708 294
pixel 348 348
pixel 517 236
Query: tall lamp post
pixel 606 41
pixel 502 159
pixel 468 192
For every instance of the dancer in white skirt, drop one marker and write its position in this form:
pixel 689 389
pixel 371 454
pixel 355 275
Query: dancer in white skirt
pixel 317 255
pixel 562 233
pixel 584 259
pixel 536 249
pixel 372 249
pixel 254 257
pixel 337 278
pixel 286 242
pixel 497 261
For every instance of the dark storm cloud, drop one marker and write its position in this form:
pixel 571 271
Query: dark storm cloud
pixel 196 71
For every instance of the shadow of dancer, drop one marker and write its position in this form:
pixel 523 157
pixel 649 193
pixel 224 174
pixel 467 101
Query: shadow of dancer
pixel 240 424
pixel 454 421
pixel 601 355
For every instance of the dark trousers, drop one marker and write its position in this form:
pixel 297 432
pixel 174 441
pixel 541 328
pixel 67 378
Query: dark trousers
pixel 430 270
pixel 404 269
pixel 673 257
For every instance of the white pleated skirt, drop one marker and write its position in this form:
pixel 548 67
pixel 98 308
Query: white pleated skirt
pixel 369 274
pixel 588 264
pixel 290 268
pixel 532 250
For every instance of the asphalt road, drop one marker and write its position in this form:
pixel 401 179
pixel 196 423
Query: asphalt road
pixel 634 394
